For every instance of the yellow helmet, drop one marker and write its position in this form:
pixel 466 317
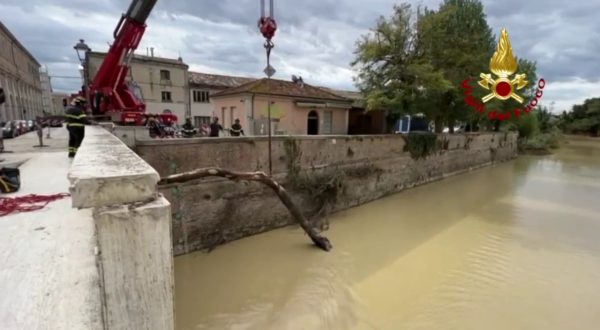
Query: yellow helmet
pixel 79 100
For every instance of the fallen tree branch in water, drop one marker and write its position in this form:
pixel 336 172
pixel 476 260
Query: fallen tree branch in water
pixel 320 241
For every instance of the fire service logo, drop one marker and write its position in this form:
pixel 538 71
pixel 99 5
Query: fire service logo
pixel 501 86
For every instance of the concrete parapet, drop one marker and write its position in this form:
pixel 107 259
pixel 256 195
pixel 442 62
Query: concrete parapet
pixel 133 230
pixel 106 172
pixel 136 265
pixel 131 134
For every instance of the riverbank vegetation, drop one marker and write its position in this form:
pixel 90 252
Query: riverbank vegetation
pixel 538 132
pixel 583 118
pixel 415 60
pixel 421 144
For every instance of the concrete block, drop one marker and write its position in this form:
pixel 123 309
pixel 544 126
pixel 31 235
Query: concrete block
pixel 136 265
pixel 131 134
pixel 106 172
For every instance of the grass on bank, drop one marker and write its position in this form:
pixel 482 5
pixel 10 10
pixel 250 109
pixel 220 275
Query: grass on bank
pixel 536 135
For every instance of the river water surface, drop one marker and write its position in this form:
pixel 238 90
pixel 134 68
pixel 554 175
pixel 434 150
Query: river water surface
pixel 514 246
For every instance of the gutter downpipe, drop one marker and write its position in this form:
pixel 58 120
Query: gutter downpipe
pixel 252 110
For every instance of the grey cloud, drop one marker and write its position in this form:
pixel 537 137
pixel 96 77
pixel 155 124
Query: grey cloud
pixel 559 37
pixel 316 37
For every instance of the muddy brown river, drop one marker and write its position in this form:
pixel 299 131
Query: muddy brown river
pixel 514 246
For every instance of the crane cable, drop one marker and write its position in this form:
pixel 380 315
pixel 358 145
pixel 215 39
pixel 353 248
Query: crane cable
pixel 268 27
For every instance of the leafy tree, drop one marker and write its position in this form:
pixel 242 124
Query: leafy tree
pixel 527 93
pixel 543 117
pixel 584 118
pixel 459 44
pixel 415 63
pixel 394 74
pixel 528 126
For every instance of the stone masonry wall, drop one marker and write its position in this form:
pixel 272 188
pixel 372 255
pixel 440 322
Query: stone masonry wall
pixel 362 168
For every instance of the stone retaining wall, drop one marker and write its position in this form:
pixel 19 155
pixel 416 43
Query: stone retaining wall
pixel 363 168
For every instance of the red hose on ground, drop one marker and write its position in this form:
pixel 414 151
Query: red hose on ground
pixel 27 203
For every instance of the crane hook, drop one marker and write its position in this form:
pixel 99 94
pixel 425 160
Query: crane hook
pixel 267 24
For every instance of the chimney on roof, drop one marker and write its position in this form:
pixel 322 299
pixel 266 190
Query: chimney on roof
pixel 151 51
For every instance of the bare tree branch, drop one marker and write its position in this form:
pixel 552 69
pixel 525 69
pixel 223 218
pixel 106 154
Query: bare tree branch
pixel 320 241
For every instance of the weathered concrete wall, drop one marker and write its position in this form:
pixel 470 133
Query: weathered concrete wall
pixel 133 230
pixel 213 211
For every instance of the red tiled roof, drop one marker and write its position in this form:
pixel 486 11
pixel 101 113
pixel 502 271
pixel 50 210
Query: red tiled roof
pixel 353 95
pixel 283 88
pixel 215 80
pixel 357 97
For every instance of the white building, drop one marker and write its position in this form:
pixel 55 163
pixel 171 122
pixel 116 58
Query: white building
pixel 202 86
pixel 47 106
pixel 19 78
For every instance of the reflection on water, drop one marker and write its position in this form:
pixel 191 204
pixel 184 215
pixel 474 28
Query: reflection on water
pixel 515 246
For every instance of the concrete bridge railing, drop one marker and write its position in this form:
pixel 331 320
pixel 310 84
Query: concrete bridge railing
pixel 133 231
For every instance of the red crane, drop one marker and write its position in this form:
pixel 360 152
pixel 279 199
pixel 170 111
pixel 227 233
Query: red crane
pixel 109 94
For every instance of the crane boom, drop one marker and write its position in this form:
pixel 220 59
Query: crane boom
pixel 109 93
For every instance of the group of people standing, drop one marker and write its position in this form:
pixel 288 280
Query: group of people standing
pixel 76 119
pixel 212 130
pixel 216 128
pixel 158 129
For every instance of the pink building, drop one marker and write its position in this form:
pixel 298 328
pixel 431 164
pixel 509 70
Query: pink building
pixel 296 108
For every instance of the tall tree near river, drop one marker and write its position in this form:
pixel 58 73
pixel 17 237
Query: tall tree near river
pixel 415 61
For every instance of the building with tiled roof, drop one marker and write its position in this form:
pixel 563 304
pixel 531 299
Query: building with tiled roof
pixel 278 87
pixel 297 108
pixel 215 81
pixel 360 120
pixel 202 87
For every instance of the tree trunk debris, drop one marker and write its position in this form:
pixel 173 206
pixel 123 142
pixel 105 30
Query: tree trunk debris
pixel 320 241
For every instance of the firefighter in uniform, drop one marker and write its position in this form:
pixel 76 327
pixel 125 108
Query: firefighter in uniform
pixel 76 121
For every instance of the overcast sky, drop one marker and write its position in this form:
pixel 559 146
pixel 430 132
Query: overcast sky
pixel 316 37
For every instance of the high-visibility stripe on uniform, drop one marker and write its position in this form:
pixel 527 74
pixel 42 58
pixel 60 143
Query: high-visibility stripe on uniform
pixel 76 117
pixel 4 184
pixel 75 125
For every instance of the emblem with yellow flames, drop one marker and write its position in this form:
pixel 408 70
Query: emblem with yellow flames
pixel 503 64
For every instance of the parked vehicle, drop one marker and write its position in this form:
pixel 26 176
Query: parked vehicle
pixel 31 125
pixel 22 126
pixel 10 130
pixel 412 123
pixel 55 123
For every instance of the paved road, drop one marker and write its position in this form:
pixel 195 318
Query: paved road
pixel 26 143
pixel 19 150
pixel 48 278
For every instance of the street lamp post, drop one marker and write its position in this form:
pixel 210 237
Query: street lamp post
pixel 82 49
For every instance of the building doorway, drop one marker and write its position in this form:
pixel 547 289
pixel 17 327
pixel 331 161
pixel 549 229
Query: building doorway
pixel 313 123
